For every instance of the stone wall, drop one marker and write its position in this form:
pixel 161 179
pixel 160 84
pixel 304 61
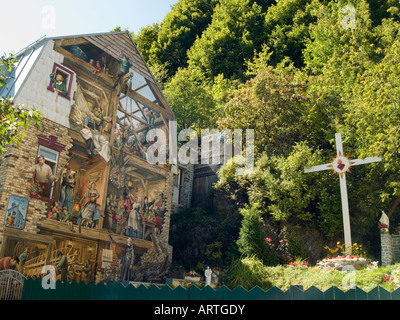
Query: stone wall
pixel 184 193
pixel 390 248
pixel 187 186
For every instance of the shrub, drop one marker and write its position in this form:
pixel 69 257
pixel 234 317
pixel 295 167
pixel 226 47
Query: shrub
pixel 252 241
pixel 248 272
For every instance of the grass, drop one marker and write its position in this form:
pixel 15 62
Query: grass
pixel 250 272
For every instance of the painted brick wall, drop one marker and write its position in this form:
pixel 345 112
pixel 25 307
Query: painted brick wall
pixel 18 158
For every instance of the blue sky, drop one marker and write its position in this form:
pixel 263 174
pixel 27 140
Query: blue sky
pixel 25 21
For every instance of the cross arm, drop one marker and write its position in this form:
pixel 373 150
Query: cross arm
pixel 357 162
pixel 321 167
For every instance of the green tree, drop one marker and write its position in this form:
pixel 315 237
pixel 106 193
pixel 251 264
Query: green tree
pixel 236 30
pixel 13 117
pixel 274 104
pixel 252 240
pixel 146 39
pixel 193 105
pixel 177 32
pixel 286 26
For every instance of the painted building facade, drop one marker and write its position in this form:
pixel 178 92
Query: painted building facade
pixel 102 204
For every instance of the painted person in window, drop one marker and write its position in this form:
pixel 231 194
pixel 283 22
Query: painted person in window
pixel 58 83
pixel 43 173
pixel 125 65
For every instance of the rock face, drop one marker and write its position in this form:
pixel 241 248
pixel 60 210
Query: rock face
pixel 344 264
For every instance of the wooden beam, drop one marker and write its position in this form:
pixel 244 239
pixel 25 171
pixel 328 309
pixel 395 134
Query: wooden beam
pixel 84 65
pixel 150 104
pixel 139 162
pixel 113 102
pixel 70 42
pixel 88 234
pixel 122 109
pixel 27 236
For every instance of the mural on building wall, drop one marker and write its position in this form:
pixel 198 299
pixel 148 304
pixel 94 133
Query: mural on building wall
pixel 131 213
pixel 16 212
pixel 95 190
pixel 73 260
pixel 87 116
pixel 61 80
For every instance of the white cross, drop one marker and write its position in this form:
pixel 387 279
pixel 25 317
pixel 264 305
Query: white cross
pixel 340 165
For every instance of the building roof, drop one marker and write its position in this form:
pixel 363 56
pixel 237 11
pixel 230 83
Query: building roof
pixel 105 41
pixel 112 43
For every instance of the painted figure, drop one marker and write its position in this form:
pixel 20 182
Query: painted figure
pixel 67 217
pixel 43 173
pixel 10 221
pixel 8 263
pixel 127 261
pixel 91 197
pixel 97 67
pixel 125 65
pixel 22 259
pixel 88 271
pixel 63 266
pixel 96 215
pixel 53 213
pixel 145 210
pixel 91 132
pixel 67 186
pixel 58 83
pixel 133 225
pixel 150 118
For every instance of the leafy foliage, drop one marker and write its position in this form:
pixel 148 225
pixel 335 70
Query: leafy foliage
pixel 295 71
pixel 252 237
pixel 236 30
pixel 13 117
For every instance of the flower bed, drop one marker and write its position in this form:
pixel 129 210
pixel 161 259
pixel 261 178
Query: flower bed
pixel 344 263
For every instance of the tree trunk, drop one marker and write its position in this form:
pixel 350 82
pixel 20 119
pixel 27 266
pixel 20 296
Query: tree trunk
pixel 395 204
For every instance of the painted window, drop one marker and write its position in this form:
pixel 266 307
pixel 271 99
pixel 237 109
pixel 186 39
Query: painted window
pixel 50 149
pixel 51 158
pixel 61 80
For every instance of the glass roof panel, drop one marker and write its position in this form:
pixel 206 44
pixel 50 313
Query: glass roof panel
pixel 20 72
pixel 137 80
pixel 147 93
pixel 140 85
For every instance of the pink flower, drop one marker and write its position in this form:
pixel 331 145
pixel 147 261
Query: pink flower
pixel 269 240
